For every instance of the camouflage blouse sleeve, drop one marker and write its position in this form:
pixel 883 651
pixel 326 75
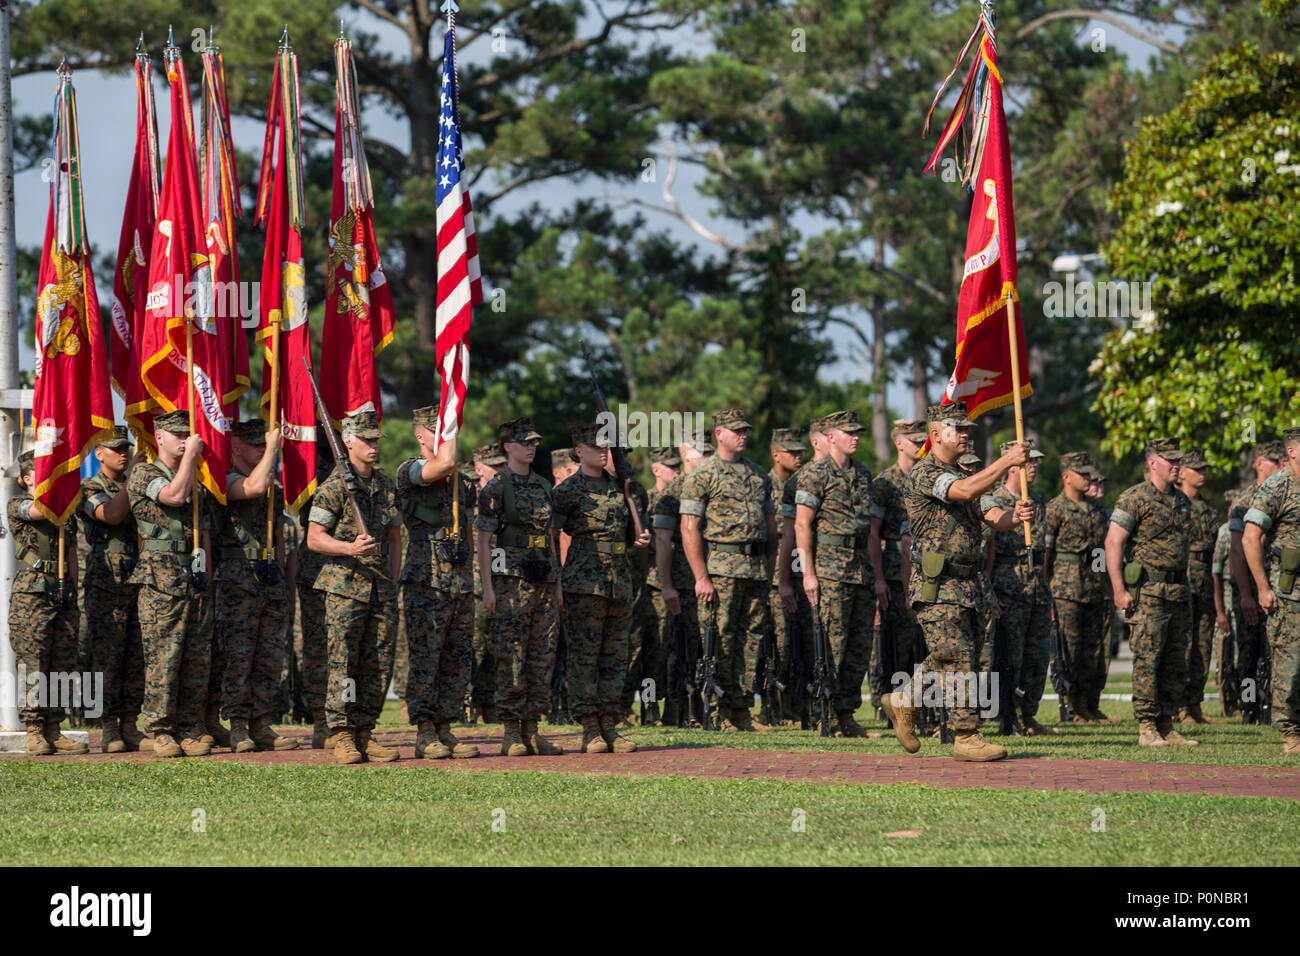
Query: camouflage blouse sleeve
pixel 490 505
pixel 562 502
pixel 695 493
pixel 809 487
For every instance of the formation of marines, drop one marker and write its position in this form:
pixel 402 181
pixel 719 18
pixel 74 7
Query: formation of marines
pixel 484 573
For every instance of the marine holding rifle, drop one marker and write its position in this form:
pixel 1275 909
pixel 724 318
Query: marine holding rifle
pixel 356 527
pixel 597 585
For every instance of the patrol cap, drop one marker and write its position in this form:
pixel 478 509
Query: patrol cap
pixel 699 444
pixel 817 425
pixel 517 430
pixel 845 421
pixel 1194 458
pixel 913 429
pixel 177 422
pixel 1290 435
pixel 1272 450
pixel 592 435
pixel 120 438
pixel 733 418
pixel 952 414
pixel 559 457
pixel 363 424
pixel 1166 448
pixel 1033 452
pixel 970 458
pixel 1077 461
pixel 490 455
pixel 426 417
pixel 252 431
pixel 666 456
pixel 788 439
pixel 23 464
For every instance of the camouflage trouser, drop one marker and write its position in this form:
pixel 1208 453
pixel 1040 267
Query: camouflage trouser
pixel 44 640
pixel 673 666
pixel 847 612
pixel 644 636
pixel 484 675
pixel 402 664
pixel 523 633
pixel 117 651
pixel 742 619
pixel 907 641
pixel 1200 645
pixel 782 620
pixel 597 630
pixel 1159 634
pixel 216 659
pixel 1248 636
pixel 439 628
pixel 252 626
pixel 954 637
pixel 1284 641
pixel 315 646
pixel 1027 624
pixel 1083 628
pixel 360 636
pixel 176 630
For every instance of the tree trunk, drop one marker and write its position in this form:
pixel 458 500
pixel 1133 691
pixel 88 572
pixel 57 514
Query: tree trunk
pixel 879 372
pixel 920 383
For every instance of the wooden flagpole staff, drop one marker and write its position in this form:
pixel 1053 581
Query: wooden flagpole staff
pixel 1015 394
pixel 268 553
pixel 194 486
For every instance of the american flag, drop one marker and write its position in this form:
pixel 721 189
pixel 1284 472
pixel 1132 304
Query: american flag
pixel 460 284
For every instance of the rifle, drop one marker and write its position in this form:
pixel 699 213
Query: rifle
pixel 558 711
pixel 1264 681
pixel 1060 672
pixel 798 668
pixel 622 467
pixel 765 676
pixel 647 645
pixel 1006 682
pixel 341 460
pixel 706 668
pixel 1229 684
pixel 821 682
pixel 678 685
pixel 883 664
pixel 1253 668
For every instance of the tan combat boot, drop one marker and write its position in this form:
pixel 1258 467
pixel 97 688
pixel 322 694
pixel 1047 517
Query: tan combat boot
pixel 373 749
pixel 593 739
pixel 37 745
pixel 970 746
pixel 345 747
pixel 165 745
pixel 1034 729
pixel 901 714
pixel 512 741
pixel 539 744
pixel 849 727
pixel 62 744
pixel 131 735
pixel 1194 712
pixel 617 742
pixel 1291 742
pixel 427 743
pixel 212 721
pixel 193 744
pixel 319 731
pixel 459 750
pixel 110 741
pixel 1149 736
pixel 266 738
pixel 1165 726
pixel 241 742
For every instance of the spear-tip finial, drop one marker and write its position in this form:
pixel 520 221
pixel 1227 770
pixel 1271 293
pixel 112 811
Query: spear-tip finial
pixel 450 7
pixel 139 44
pixel 64 71
pixel 212 47
pixel 342 35
pixel 284 39
pixel 171 41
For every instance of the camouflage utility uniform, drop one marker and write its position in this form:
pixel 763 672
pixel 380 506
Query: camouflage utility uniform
pixel 1200 646
pixel 888 492
pixel 667 515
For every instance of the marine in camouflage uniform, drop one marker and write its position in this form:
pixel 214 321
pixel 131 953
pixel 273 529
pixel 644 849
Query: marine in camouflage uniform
pixel 947 526
pixel 117 651
pixel 677 586
pixel 598 592
pixel 1022 593
pixel 437 589
pixel 731 543
pixel 787 450
pixel 1272 546
pixel 357 576
pixel 1154 522
pixel 175 606
pixel 488 461
pixel 1075 539
pixel 519 589
pixel 315 636
pixel 641 635
pixel 252 594
pixel 1226 646
pixel 1248 622
pixel 889 521
pixel 42 616
pixel 1204 529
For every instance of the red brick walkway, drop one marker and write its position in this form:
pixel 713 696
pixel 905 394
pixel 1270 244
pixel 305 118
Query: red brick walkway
pixel 722 763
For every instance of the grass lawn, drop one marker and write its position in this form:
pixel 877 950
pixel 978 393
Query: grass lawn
pixel 66 813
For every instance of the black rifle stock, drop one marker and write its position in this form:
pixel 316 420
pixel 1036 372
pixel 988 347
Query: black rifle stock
pixel 558 711
pixel 1062 682
pixel 772 688
pixel 798 668
pixel 821 682
pixel 1252 710
pixel 650 708
pixel 622 467
pixel 679 686
pixel 706 668
pixel 1006 680
pixel 883 662
pixel 341 460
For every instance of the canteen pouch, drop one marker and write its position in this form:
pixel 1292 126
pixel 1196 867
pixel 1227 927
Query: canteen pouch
pixel 453 552
pixel 534 570
pixel 932 564
pixel 266 572
pixel 1290 564
pixel 1133 578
